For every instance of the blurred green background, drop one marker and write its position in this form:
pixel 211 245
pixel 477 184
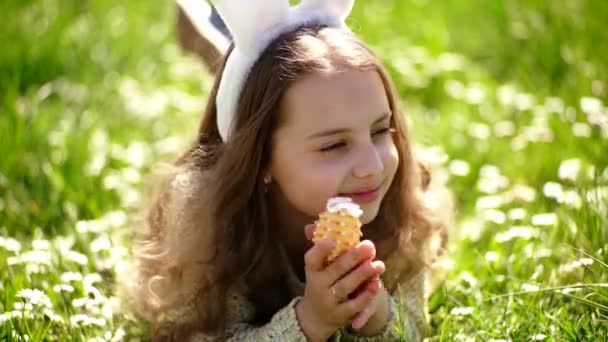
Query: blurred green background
pixel 509 96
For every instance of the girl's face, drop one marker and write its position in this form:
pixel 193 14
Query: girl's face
pixel 334 140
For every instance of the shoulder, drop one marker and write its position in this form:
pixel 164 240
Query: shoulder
pixel 180 228
pixel 187 183
pixel 188 222
pixel 440 202
pixel 182 199
pixel 436 195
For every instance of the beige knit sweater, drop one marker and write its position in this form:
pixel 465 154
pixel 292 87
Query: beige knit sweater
pixel 408 307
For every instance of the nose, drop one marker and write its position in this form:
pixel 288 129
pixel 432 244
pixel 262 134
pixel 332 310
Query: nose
pixel 368 161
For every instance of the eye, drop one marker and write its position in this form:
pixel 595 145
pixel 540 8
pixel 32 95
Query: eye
pixel 384 130
pixel 333 147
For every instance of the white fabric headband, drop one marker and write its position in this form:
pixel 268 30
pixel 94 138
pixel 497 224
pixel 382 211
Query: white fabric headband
pixel 254 24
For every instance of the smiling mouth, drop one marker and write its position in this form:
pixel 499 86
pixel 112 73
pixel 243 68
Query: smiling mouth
pixel 362 192
pixel 365 196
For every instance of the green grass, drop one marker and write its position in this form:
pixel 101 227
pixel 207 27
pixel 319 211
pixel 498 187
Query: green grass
pixel 93 95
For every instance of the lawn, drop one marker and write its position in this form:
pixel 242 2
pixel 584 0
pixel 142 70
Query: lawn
pixel 510 96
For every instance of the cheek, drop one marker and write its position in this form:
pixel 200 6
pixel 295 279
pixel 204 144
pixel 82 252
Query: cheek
pixel 390 159
pixel 307 183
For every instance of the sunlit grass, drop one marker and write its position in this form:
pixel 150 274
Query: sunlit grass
pixel 94 95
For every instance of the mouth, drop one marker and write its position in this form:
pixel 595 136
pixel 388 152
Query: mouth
pixel 365 195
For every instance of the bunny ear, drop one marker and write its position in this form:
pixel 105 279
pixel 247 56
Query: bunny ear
pixel 253 25
pixel 249 19
pixel 338 9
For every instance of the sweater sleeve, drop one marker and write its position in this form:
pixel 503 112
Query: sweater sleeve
pixel 283 326
pixel 407 317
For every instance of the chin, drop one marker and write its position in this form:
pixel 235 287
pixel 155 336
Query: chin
pixel 369 214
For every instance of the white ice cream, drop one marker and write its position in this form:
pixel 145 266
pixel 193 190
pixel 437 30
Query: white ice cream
pixel 335 204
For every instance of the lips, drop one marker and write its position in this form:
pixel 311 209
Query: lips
pixel 364 195
pixel 363 190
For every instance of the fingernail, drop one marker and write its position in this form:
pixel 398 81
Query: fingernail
pixel 357 323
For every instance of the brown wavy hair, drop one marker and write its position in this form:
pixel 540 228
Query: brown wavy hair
pixel 209 227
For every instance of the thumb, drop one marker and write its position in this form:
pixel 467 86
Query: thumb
pixel 309 230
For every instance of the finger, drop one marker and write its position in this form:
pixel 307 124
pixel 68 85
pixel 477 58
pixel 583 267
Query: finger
pixel 371 244
pixel 362 317
pixel 349 260
pixel 309 231
pixel 357 278
pixel 351 307
pixel 374 285
pixel 314 259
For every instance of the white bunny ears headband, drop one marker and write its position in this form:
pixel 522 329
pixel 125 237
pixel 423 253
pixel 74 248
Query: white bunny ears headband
pixel 254 24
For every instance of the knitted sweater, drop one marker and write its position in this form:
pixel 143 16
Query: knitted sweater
pixel 407 316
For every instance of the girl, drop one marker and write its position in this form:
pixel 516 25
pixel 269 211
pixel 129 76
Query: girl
pixel 301 111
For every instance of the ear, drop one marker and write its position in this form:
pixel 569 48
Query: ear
pixel 248 19
pixel 338 9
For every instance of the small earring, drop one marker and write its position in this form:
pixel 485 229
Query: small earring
pixel 267 180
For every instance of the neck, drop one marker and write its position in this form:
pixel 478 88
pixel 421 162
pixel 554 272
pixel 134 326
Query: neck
pixel 290 223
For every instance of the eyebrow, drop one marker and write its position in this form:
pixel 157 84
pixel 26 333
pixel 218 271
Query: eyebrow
pixel 333 131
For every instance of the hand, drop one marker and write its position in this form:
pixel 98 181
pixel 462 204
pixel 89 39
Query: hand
pixel 374 317
pixel 338 292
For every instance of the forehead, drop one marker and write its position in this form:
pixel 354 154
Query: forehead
pixel 338 98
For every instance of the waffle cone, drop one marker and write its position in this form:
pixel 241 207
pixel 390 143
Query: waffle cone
pixel 340 225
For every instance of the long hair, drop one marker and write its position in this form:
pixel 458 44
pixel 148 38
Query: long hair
pixel 209 229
